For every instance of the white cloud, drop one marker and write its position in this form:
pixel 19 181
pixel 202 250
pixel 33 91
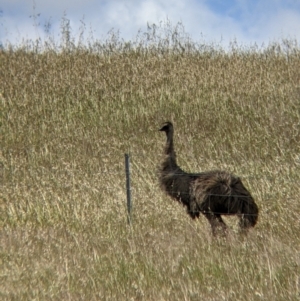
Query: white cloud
pixel 286 24
pixel 247 21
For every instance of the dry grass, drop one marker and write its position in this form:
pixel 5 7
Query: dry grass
pixel 68 117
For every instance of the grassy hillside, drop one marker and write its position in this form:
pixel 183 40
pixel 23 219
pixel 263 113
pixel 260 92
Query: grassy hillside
pixel 67 118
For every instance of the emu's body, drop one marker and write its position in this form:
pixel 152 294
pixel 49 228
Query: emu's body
pixel 213 193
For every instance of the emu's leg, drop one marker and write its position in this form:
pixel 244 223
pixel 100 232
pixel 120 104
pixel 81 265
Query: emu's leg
pixel 193 210
pixel 244 224
pixel 221 222
pixel 216 223
pixel 193 214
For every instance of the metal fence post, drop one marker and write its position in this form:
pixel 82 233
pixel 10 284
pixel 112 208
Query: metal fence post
pixel 128 188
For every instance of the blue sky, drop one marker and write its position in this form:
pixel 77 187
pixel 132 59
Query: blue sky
pixel 217 21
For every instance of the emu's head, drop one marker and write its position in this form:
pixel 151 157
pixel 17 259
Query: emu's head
pixel 167 127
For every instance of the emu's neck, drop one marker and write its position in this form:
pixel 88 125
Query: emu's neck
pixel 169 148
pixel 170 162
pixel 169 168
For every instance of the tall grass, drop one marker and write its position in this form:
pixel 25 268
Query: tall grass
pixel 70 111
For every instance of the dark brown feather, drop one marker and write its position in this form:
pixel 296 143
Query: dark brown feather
pixel 212 193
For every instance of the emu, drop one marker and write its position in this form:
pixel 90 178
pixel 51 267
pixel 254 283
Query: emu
pixel 212 193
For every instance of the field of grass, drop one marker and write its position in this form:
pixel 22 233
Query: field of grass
pixel 67 118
